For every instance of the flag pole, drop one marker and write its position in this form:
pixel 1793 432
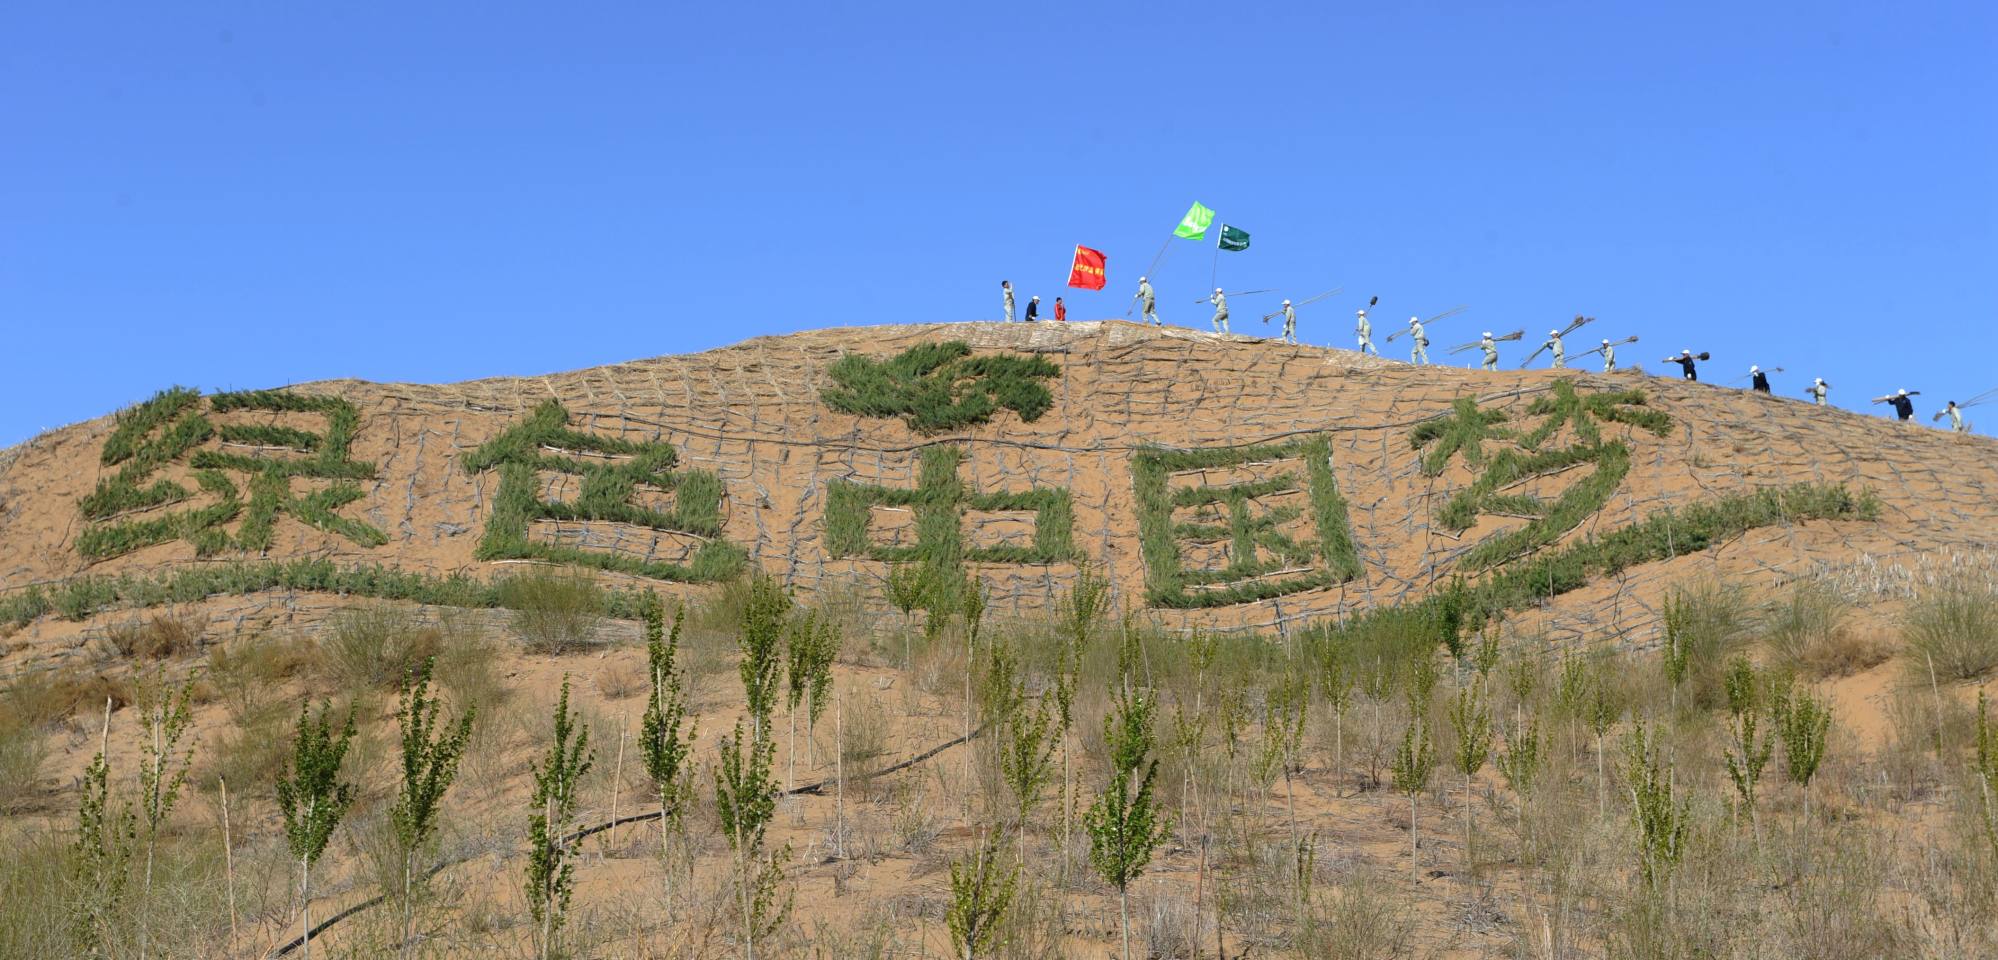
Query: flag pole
pixel 1214 275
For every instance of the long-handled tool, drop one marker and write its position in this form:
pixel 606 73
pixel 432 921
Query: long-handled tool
pixel 1985 397
pixel 1238 293
pixel 1507 338
pixel 1592 351
pixel 1453 311
pixel 1267 317
pixel 1573 325
pixel 1748 375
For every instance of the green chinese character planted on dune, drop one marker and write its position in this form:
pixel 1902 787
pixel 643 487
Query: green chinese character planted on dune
pixel 544 442
pixel 172 425
pixel 935 387
pixel 1529 456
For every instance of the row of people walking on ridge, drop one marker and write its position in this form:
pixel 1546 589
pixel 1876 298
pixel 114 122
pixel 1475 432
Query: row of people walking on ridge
pixel 1688 361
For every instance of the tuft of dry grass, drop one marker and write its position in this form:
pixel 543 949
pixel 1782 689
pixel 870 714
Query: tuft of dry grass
pixel 1808 632
pixel 374 647
pixel 162 636
pixel 1953 626
pixel 554 611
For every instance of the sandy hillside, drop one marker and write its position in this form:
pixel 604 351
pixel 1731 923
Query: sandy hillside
pixel 752 415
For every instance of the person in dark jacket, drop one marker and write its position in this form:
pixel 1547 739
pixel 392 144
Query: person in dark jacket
pixel 1760 379
pixel 1033 309
pixel 1685 361
pixel 1904 408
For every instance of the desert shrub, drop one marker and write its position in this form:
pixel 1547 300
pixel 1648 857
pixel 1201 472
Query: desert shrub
pixel 1704 622
pixel 554 611
pixel 1366 920
pixel 36 902
pixel 1808 633
pixel 374 647
pixel 44 696
pixel 249 672
pixel 158 637
pixel 1954 626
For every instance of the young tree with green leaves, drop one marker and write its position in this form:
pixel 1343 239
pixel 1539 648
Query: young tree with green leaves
pixel 811 644
pixel 313 799
pixel 1804 721
pixel 1753 745
pixel 665 739
pixel 1519 764
pixel 745 802
pixel 163 766
pixel 106 838
pixel 1126 823
pixel 1335 683
pixel 1471 718
pixel 1663 821
pixel 980 892
pixel 551 873
pixel 1985 766
pixel 430 755
pixel 765 624
pixel 1413 761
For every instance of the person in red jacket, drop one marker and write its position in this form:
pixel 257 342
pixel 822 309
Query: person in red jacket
pixel 1061 311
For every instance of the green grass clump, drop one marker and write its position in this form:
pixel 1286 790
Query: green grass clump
pixel 133 444
pixel 936 387
pixel 1258 547
pixel 605 495
pixel 554 611
pixel 1953 626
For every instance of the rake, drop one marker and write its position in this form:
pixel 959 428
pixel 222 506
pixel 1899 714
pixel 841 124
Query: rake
pixel 1745 376
pixel 1453 311
pixel 1573 325
pixel 1507 338
pixel 1238 293
pixel 1592 351
pixel 1267 317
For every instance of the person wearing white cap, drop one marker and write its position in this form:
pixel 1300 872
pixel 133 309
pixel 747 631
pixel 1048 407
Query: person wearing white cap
pixel 1220 302
pixel 1818 390
pixel 1419 353
pixel 1289 323
pixel 1904 408
pixel 1685 360
pixel 1491 351
pixel 1033 309
pixel 1147 302
pixel 1365 329
pixel 1609 356
pixel 1560 355
pixel 1759 381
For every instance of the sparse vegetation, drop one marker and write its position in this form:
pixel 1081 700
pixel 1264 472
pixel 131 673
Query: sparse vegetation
pixel 313 799
pixel 551 868
pixel 554 611
pixel 1952 628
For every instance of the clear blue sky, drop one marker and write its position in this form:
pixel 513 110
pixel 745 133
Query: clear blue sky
pixel 255 194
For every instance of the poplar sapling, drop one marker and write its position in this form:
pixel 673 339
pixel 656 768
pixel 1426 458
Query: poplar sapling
pixel 550 871
pixel 1471 718
pixel 430 755
pixel 662 742
pixel 313 799
pixel 1125 824
pixel 980 892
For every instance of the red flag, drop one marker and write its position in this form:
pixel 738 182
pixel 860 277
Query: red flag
pixel 1088 270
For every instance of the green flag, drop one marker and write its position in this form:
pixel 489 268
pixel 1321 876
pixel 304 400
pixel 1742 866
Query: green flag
pixel 1233 239
pixel 1194 226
